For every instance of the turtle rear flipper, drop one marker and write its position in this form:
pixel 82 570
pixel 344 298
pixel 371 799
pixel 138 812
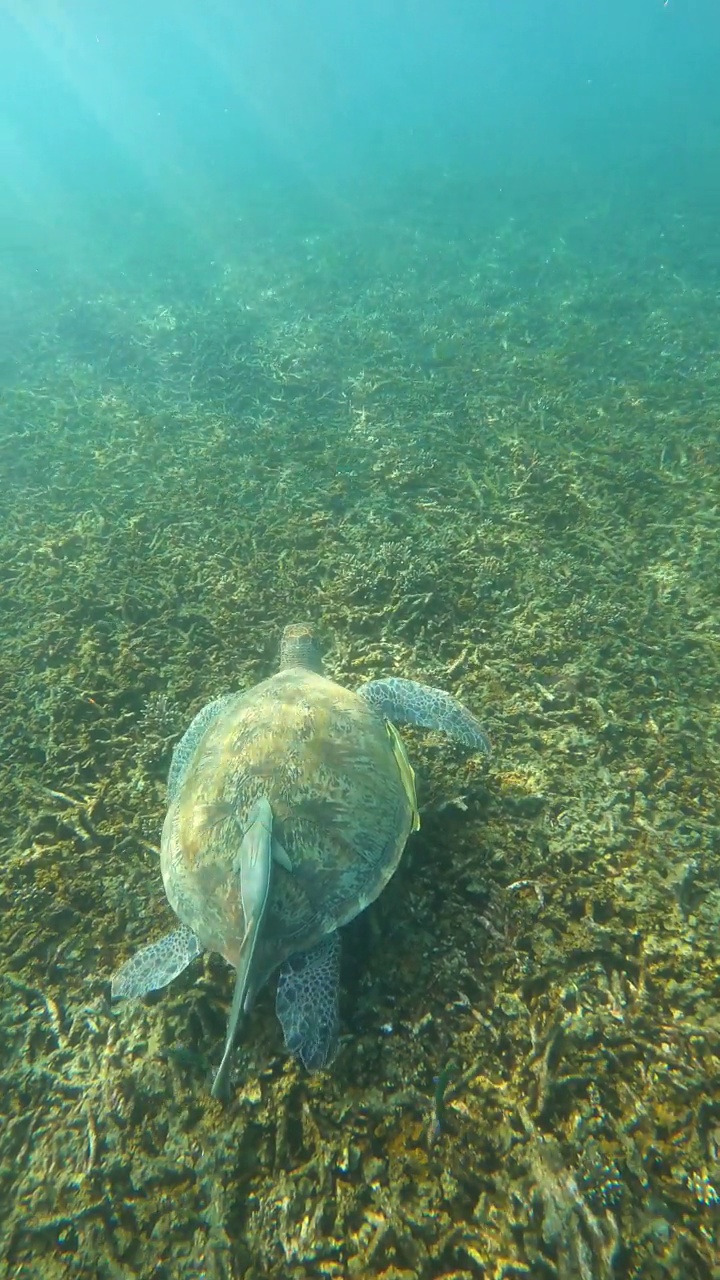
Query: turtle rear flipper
pixel 156 965
pixel 307 1002
pixel 408 702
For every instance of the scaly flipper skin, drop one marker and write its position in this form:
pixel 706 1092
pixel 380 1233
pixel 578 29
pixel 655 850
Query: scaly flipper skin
pixel 254 867
pixel 185 749
pixel 307 1002
pixel 156 965
pixel 407 702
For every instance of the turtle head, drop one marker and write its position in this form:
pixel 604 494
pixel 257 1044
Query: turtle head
pixel 299 648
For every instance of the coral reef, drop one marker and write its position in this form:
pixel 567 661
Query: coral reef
pixel 509 491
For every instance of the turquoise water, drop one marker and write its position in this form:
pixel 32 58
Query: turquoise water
pixel 400 320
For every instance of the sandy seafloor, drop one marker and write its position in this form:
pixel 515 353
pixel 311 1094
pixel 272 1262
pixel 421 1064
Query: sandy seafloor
pixel 478 450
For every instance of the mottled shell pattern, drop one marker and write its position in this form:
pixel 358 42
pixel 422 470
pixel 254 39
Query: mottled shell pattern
pixel 343 802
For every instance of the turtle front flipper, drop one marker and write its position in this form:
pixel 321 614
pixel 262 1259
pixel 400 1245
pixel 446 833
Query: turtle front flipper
pixel 156 965
pixel 407 702
pixel 307 1002
pixel 185 749
pixel 254 866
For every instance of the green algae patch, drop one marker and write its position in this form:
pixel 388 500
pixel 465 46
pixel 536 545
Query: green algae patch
pixel 502 504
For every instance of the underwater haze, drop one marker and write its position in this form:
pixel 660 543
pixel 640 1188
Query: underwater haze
pixel 399 321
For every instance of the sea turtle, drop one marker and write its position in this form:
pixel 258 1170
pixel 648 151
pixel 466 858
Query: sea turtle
pixel 289 807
